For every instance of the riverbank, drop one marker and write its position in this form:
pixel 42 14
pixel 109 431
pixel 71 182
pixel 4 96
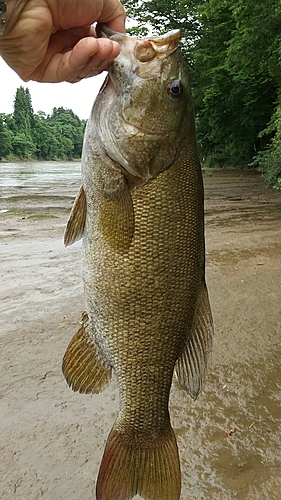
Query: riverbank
pixel 52 439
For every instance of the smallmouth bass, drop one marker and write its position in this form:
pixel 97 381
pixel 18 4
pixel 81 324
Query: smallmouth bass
pixel 141 215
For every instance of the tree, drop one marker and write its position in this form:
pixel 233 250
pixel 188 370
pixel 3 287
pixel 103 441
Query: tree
pixel 232 108
pixel 233 49
pixel 268 161
pixel 255 48
pixel 72 128
pixel 23 113
pixel 47 137
pixel 46 140
pixel 5 139
pixel 23 146
pixel 160 16
pixel 22 124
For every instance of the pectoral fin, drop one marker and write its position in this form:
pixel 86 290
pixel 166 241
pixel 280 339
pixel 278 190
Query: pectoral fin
pixel 82 366
pixel 191 367
pixel 117 213
pixel 76 222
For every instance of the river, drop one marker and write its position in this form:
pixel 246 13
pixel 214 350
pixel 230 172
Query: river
pixel 38 174
pixel 31 175
pixel 35 179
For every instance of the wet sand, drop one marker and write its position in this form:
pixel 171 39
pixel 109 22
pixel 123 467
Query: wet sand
pixel 52 440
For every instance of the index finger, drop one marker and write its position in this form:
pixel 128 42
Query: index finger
pixel 116 19
pixel 117 24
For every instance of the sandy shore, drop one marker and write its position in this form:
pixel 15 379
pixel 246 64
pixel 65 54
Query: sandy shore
pixel 52 440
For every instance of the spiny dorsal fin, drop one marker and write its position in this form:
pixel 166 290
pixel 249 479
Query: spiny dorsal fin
pixel 147 465
pixel 82 366
pixel 117 213
pixel 191 367
pixel 76 222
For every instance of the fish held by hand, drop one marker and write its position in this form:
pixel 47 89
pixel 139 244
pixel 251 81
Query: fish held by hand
pixel 140 212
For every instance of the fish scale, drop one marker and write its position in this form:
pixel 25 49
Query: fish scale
pixel 162 309
pixel 148 311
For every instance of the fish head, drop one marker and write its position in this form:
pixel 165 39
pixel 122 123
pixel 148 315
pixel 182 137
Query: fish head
pixel 145 115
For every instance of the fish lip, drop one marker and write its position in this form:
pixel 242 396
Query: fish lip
pixel 159 41
pixel 168 42
pixel 164 45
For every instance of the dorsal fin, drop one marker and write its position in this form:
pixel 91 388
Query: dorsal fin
pixel 191 367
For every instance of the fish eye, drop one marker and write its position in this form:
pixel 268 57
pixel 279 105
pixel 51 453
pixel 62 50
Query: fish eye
pixel 174 89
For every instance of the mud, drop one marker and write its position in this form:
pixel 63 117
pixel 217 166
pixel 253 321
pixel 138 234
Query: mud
pixel 51 440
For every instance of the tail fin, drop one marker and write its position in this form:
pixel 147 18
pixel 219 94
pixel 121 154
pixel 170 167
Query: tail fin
pixel 132 466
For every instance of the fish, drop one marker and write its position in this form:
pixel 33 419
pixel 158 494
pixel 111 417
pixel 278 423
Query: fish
pixel 140 213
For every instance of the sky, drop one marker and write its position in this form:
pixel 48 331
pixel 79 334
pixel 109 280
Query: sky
pixel 45 96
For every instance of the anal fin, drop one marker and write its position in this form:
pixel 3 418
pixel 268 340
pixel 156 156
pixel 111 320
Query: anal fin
pixel 76 222
pixel 82 366
pixel 191 367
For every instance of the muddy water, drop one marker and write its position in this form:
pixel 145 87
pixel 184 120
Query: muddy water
pixel 36 175
pixel 52 440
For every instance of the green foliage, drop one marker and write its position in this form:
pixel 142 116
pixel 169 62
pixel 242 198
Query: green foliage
pixel 269 164
pixel 22 146
pixel 234 104
pixel 23 112
pixel 160 16
pixel 256 42
pixel 233 49
pixel 71 127
pixel 268 161
pixel 5 139
pixel 27 135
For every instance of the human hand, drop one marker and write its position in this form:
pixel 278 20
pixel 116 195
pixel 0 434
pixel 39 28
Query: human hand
pixel 54 40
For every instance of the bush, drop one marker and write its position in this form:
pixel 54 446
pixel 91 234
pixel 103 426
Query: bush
pixel 268 162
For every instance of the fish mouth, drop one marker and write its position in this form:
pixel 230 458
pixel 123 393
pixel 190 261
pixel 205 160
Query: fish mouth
pixel 134 54
pixel 137 51
pixel 146 48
